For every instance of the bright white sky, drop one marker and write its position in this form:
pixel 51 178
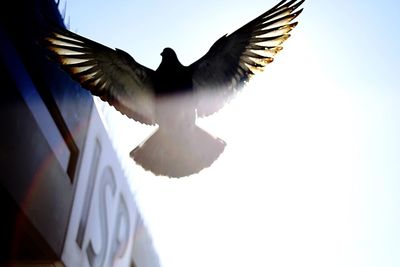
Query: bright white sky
pixel 311 173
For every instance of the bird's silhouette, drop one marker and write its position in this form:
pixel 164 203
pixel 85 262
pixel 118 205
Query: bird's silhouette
pixel 173 95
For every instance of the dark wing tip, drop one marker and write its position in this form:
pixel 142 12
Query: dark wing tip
pixel 113 75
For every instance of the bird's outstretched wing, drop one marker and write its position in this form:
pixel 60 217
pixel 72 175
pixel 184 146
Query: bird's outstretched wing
pixel 234 58
pixel 113 75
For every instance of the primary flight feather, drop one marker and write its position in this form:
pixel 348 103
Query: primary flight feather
pixel 173 95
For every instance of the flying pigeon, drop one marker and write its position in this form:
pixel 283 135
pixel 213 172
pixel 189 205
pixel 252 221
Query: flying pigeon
pixel 174 95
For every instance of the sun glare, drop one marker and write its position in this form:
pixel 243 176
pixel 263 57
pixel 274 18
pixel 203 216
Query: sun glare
pixel 280 192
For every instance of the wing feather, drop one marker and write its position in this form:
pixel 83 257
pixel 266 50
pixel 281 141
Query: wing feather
pixel 233 59
pixel 111 74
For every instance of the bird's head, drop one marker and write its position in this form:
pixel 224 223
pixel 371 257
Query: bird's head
pixel 168 53
pixel 169 58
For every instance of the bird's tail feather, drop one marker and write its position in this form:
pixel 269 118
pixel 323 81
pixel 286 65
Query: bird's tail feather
pixel 178 154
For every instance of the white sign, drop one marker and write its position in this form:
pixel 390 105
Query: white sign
pixel 104 214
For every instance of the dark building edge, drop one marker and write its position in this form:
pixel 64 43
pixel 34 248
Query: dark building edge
pixel 37 189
